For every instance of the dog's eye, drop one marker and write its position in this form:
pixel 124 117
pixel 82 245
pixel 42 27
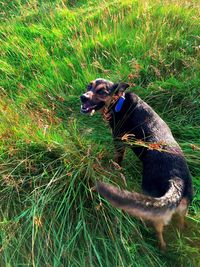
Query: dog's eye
pixel 102 92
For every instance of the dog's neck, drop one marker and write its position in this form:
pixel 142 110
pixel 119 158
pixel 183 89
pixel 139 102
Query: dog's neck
pixel 106 111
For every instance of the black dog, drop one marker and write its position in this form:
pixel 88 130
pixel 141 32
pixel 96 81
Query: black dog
pixel 166 179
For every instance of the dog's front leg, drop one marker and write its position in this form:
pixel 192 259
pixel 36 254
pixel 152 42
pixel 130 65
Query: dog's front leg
pixel 119 152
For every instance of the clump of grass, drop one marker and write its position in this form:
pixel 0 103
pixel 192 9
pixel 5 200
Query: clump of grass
pixel 51 156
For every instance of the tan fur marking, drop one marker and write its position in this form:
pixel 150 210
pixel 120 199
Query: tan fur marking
pixel 166 217
pixel 159 225
pixel 100 86
pixel 182 210
pixel 182 206
pixel 89 94
pixel 93 83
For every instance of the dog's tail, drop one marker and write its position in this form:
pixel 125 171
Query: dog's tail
pixel 141 205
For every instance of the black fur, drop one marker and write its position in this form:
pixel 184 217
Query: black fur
pixel 138 118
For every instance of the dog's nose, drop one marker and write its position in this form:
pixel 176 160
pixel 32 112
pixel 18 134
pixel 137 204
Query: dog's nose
pixel 84 98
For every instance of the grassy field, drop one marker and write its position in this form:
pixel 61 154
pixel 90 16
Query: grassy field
pixel 51 155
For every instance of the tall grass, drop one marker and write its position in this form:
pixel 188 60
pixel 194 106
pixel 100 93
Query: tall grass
pixel 51 156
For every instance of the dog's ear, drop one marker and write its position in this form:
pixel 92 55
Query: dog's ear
pixel 119 88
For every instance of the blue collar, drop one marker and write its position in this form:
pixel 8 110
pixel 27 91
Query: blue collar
pixel 119 104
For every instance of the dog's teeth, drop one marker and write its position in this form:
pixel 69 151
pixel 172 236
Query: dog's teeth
pixel 92 112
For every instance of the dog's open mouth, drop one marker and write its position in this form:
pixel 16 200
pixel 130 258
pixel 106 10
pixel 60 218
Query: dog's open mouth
pixel 86 108
pixel 90 108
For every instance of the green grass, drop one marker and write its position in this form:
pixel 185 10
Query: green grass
pixel 51 155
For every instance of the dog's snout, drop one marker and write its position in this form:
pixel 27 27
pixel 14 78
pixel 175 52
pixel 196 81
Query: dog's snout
pixel 84 98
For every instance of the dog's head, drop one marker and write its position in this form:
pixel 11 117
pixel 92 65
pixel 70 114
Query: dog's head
pixel 99 94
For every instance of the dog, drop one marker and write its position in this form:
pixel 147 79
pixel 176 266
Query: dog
pixel 166 180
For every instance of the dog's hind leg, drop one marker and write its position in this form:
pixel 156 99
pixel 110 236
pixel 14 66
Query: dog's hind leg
pixel 159 226
pixel 181 211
